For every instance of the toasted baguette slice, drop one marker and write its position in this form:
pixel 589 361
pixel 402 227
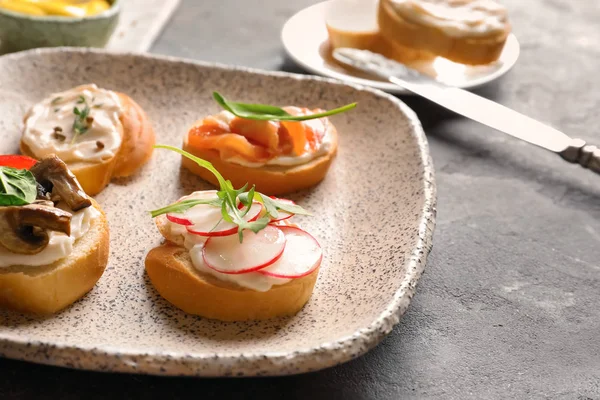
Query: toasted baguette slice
pixel 136 149
pixel 93 177
pixel 271 179
pixel 353 24
pixel 467 49
pixel 138 138
pixel 173 275
pixel 48 289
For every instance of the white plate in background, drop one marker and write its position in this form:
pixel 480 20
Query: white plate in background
pixel 310 48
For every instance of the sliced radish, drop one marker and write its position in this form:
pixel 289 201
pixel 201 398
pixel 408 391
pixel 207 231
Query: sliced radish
pixel 302 255
pixel 282 215
pixel 178 220
pixel 257 250
pixel 196 213
pixel 211 223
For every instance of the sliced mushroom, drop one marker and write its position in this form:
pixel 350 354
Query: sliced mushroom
pixel 24 229
pixel 52 173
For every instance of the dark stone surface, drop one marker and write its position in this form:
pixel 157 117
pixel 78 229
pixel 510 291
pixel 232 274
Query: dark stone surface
pixel 508 305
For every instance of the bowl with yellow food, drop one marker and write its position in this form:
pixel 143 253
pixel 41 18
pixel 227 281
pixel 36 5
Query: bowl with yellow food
pixel 28 24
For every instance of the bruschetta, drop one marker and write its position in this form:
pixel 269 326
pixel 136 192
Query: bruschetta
pixel 470 32
pixel 258 266
pixel 279 150
pixel 54 239
pixel 99 133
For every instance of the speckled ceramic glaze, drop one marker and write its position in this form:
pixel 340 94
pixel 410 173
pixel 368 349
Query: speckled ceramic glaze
pixel 374 218
pixel 22 32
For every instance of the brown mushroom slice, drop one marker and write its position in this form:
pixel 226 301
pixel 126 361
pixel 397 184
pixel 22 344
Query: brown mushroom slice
pixel 52 172
pixel 24 229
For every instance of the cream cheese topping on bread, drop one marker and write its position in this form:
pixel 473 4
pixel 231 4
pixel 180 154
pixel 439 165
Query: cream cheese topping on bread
pixel 456 18
pixel 250 280
pixel 178 234
pixel 49 126
pixel 60 245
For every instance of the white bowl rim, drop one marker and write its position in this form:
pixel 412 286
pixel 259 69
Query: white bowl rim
pixel 115 8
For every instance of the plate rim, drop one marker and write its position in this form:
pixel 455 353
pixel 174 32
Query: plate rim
pixel 327 354
pixel 383 86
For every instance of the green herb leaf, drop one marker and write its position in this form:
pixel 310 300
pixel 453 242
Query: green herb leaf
pixel 264 112
pixel 225 213
pixel 17 187
pixel 244 199
pixel 249 199
pixel 273 204
pixel 183 206
pixel 291 208
pixel 269 205
pixel 82 122
pixel 258 225
pixel 199 161
pixel 227 200
pixel 56 100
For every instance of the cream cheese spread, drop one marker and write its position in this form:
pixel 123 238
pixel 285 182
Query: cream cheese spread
pixel 455 17
pixel 49 126
pixel 59 246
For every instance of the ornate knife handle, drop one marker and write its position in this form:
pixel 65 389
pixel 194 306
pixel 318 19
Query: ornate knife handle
pixel 586 155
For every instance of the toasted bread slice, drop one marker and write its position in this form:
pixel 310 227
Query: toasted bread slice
pixel 136 149
pixel 271 179
pixel 138 139
pixel 353 24
pixel 51 288
pixel 472 49
pixel 92 176
pixel 173 275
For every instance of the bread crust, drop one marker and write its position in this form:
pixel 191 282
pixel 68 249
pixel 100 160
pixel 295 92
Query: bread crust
pixel 138 138
pixel 360 40
pixel 270 180
pixel 92 177
pixel 471 50
pixel 136 149
pixel 51 288
pixel 172 273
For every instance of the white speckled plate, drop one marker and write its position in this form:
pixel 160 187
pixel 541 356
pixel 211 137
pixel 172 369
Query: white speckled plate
pixel 310 49
pixel 375 216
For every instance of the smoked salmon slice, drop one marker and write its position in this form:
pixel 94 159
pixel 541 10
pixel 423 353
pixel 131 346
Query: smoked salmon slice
pixel 258 141
pixel 264 133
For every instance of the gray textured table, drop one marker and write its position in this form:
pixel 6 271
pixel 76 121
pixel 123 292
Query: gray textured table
pixel 508 305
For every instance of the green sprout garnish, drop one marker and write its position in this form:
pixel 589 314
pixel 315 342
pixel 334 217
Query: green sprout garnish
pixel 82 121
pixel 264 112
pixel 227 200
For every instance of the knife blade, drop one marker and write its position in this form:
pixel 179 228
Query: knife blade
pixel 472 106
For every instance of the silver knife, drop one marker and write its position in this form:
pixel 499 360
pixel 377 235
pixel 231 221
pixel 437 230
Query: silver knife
pixel 473 106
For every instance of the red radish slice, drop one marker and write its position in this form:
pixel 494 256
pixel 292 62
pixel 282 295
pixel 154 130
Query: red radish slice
pixel 302 255
pixel 196 213
pixel 178 220
pixel 282 215
pixel 213 224
pixel 18 162
pixel 258 250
